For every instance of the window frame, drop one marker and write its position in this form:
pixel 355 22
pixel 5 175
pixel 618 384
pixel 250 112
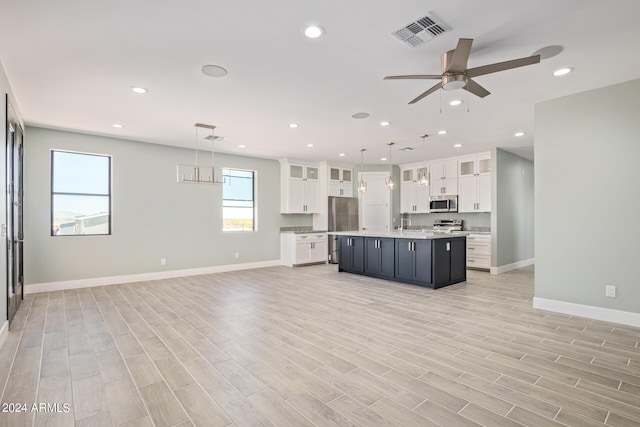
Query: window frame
pixel 54 193
pixel 254 200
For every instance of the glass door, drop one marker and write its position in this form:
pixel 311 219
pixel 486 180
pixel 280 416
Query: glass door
pixel 14 231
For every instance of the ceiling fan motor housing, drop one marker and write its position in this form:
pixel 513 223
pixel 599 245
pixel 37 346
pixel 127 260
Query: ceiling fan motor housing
pixel 451 80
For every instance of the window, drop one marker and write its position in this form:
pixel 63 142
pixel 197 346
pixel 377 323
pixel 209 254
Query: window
pixel 80 194
pixel 238 205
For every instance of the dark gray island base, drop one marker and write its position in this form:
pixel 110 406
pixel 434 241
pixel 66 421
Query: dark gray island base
pixel 431 262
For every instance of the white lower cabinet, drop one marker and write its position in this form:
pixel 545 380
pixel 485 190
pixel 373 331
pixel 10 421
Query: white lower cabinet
pixel 479 251
pixel 300 249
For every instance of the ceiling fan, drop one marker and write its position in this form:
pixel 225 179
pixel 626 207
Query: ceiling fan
pixel 456 75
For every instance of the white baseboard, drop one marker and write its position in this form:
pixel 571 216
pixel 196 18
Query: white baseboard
pixel 130 278
pixel 589 311
pixel 515 265
pixel 4 332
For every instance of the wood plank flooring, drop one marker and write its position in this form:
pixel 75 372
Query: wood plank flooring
pixel 313 347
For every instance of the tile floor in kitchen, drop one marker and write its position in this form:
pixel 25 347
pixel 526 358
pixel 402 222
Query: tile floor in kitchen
pixel 311 346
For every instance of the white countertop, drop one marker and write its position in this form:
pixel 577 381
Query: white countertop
pixel 404 234
pixel 303 231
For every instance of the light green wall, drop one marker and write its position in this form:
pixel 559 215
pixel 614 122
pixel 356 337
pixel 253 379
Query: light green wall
pixel 153 216
pixel 587 152
pixel 512 209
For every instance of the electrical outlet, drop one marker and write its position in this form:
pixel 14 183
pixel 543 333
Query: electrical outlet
pixel 237 255
pixel 163 261
pixel 610 291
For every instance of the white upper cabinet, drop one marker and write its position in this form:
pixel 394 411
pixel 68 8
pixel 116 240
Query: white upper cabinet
pixel 300 188
pixel 340 181
pixel 444 178
pixel 414 198
pixel 474 174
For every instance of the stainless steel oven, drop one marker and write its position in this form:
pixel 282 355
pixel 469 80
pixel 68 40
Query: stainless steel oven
pixel 443 203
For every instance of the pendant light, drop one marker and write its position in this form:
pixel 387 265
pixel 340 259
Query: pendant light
pixel 389 179
pixel 362 184
pixel 196 174
pixel 423 176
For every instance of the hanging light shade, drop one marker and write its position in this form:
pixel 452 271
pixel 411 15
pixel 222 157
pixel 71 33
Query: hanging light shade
pixel 389 179
pixel 423 176
pixel 197 173
pixel 362 184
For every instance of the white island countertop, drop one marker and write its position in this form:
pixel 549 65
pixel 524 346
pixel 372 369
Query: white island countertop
pixel 403 234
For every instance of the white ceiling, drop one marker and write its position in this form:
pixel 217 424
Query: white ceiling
pixel 71 64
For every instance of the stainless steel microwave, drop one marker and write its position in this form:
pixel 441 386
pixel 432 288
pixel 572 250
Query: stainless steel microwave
pixel 443 203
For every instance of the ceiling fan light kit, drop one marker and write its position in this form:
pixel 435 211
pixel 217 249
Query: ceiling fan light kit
pixel 456 75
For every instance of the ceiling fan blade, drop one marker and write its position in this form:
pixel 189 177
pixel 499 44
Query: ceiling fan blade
pixel 502 66
pixel 460 56
pixel 416 77
pixel 476 89
pixel 426 93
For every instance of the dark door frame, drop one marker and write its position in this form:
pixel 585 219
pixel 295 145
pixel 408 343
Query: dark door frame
pixel 14 150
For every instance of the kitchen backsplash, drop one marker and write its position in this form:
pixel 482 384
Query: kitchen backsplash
pixel 471 221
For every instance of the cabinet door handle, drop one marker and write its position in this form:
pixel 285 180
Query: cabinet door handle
pixel 409 246
pixel 413 246
pixel 448 246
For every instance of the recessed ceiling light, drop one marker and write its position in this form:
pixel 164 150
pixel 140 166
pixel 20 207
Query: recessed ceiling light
pixel 310 145
pixel 138 89
pixel 214 71
pixel 385 123
pixel 562 72
pixel 519 134
pixel 341 154
pixel 241 146
pixel 442 132
pixel 361 115
pixel 383 159
pixel 455 102
pixel 293 125
pixel 457 145
pixel 313 31
pixel 117 125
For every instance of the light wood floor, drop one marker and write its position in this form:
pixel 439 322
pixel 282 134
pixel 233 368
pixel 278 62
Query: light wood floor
pixel 311 346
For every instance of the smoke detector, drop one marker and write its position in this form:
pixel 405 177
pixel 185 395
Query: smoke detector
pixel 421 30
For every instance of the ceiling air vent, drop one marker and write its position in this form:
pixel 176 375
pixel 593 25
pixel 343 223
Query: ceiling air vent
pixel 421 30
pixel 405 149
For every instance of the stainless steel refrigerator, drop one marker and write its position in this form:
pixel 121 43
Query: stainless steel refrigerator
pixel 343 216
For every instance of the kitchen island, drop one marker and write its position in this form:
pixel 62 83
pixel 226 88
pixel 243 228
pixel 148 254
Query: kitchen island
pixel 429 259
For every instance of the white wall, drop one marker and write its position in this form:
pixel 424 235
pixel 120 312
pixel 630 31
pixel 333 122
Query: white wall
pixel 153 216
pixel 587 190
